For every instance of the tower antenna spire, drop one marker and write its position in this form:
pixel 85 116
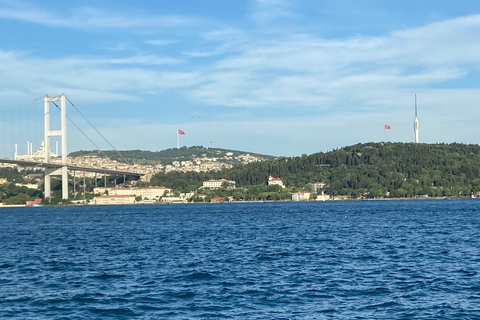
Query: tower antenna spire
pixel 415 122
pixel 415 105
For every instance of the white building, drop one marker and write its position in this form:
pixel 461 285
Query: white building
pixel 38 155
pixel 215 184
pixel 145 193
pixel 102 190
pixel 114 199
pixel 28 185
pixel 275 181
pixel 301 196
pixel 323 197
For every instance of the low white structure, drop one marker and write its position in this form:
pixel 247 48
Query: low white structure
pixel 323 197
pixel 145 193
pixel 275 181
pixel 114 199
pixel 28 185
pixel 174 200
pixel 301 196
pixel 215 184
pixel 102 190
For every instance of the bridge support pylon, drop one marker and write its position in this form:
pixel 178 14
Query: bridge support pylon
pixel 53 133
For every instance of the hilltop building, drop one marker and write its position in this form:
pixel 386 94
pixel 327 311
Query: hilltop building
pixel 38 155
pixel 275 181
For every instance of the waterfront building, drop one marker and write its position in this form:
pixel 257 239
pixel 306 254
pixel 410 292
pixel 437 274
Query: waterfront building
pixel 301 196
pixel 145 193
pixel 217 200
pixel 114 199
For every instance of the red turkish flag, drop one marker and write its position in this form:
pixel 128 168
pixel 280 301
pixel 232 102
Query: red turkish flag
pixel 387 127
pixel 181 132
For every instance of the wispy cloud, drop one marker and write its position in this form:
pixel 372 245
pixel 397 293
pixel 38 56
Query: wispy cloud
pixel 222 41
pixel 267 10
pixel 93 75
pixel 305 70
pixel 88 17
pixel 160 42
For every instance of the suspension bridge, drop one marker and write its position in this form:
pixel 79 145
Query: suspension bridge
pixel 18 124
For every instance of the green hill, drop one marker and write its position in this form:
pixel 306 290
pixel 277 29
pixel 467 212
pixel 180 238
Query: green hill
pixel 370 169
pixel 165 156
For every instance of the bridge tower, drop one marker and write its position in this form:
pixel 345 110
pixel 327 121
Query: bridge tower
pixel 54 133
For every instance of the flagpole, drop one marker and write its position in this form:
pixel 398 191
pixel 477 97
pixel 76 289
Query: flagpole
pixel 384 134
pixel 178 140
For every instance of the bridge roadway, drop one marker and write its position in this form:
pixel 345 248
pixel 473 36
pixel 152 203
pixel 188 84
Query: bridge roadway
pixel 24 163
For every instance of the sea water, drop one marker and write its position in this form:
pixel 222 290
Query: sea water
pixel 316 260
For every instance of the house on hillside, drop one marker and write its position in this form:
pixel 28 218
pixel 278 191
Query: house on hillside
pixel 275 181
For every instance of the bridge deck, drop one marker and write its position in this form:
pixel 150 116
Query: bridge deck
pixel 24 163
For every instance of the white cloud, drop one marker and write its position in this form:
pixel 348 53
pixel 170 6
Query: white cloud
pixel 87 17
pixel 304 70
pixel 94 77
pixel 159 42
pixel 266 10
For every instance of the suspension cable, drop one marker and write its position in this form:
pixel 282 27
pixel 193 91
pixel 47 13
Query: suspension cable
pixel 95 130
pixel 81 131
pixel 15 109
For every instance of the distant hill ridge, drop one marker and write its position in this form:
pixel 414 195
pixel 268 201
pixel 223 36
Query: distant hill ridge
pixel 165 156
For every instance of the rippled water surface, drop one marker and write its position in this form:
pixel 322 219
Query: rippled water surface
pixel 325 260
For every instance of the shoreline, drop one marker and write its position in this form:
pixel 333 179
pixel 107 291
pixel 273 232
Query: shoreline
pixel 239 202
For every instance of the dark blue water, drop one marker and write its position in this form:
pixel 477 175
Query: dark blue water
pixel 342 260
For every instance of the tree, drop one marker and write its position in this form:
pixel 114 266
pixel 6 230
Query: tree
pixel 18 199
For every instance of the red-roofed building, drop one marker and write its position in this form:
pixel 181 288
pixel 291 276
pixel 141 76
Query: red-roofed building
pixel 217 200
pixel 35 202
pixel 275 181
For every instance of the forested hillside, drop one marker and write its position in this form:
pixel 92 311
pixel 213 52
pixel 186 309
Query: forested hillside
pixel 371 169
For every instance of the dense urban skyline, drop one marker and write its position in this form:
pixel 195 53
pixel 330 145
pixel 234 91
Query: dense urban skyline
pixel 280 77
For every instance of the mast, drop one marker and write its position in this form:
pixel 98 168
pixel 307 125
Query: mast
pixel 415 122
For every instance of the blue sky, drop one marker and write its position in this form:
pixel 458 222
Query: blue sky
pixel 281 77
